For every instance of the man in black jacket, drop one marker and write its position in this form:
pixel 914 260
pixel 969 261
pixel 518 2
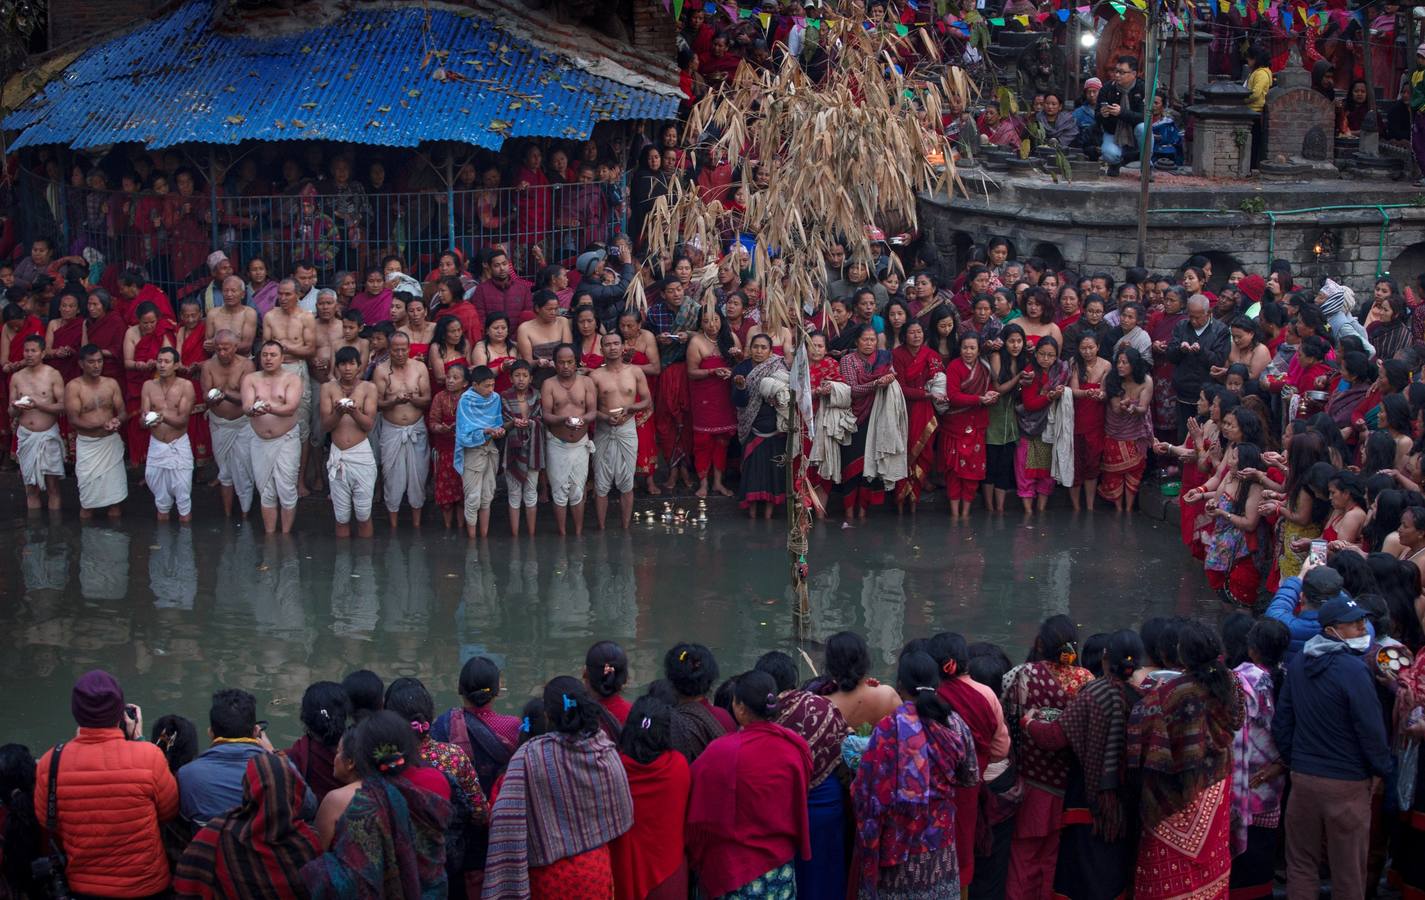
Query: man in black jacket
pixel 1121 113
pixel 1198 343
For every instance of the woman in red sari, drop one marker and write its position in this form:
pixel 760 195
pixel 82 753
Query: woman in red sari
pixel 867 370
pixel 1042 688
pixel 18 326
pixel 1165 399
pixel 63 338
pixel 141 346
pixel 440 423
pixel 641 349
pixel 587 338
pixel 534 198
pixel 915 364
pixel 1180 742
pixel 106 329
pixel 969 389
pixel 191 355
pixel 710 359
pixel 648 859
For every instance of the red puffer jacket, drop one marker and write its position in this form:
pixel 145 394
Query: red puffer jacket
pixel 113 793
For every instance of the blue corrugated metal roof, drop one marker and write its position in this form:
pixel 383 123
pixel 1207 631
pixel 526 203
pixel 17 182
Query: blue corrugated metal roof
pixel 359 80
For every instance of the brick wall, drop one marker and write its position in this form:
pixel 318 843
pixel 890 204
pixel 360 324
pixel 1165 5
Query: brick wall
pixel 653 27
pixel 1215 153
pixel 1290 113
pixel 71 20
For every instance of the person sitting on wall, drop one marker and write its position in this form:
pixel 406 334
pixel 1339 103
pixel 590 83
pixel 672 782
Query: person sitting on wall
pixel 1121 114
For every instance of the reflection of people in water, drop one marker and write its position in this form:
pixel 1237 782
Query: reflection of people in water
pixel 103 563
pixel 172 569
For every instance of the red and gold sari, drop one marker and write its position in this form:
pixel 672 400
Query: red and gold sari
pixel 963 443
pixel 914 371
pixel 192 354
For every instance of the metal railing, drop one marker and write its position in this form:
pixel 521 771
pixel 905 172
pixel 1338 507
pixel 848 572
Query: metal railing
pixel 169 236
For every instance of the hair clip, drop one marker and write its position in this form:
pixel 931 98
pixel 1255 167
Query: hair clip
pixel 324 714
pixel 419 727
pixel 771 702
pixel 568 704
pixel 682 656
pixel 950 667
pixel 524 725
pixel 646 722
pixel 925 688
pixel 608 669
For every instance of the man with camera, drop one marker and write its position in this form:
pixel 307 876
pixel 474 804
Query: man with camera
pixel 111 792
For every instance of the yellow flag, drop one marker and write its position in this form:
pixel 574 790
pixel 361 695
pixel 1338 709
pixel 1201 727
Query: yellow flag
pixel 764 18
pixel 1023 20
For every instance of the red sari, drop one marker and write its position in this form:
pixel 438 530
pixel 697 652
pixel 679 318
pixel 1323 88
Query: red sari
pixel 1165 397
pixel 914 373
pixel 449 488
pixel 146 350
pixel 647 462
pixel 14 353
pixel 107 333
pixel 963 446
pixel 713 417
pixel 648 858
pixel 200 435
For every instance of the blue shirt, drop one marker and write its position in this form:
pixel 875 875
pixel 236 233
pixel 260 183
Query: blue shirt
pixel 212 784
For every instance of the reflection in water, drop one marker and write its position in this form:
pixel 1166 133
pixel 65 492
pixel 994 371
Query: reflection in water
pixel 177 612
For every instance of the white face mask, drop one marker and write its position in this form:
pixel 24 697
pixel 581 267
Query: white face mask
pixel 1356 644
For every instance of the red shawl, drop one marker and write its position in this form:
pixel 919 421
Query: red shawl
pixel 69 334
pixel 146 350
pixel 914 370
pixel 650 852
pixel 149 294
pixel 16 351
pixel 748 811
pixel 972 706
pixel 107 333
pixel 964 387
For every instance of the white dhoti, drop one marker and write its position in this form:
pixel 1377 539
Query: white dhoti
pixel 351 475
pixel 99 469
pixel 522 493
pixel 477 475
pixel 169 474
pixel 304 408
pixel 274 468
pixel 616 457
pixel 232 449
pixel 567 465
pixel 405 456
pixel 41 454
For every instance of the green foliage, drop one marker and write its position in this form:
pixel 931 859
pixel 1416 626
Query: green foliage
pixel 1253 205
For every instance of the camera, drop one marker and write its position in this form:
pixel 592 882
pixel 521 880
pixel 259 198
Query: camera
pixel 49 872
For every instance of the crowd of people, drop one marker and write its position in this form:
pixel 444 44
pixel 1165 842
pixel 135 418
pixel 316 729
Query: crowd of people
pixel 1153 763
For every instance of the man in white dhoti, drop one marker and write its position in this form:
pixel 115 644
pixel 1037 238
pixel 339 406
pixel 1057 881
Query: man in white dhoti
pixel 348 407
pixel 567 401
pixel 270 397
pixel 403 395
pixel 622 393
pixel 165 405
pixel 95 406
pixel 221 377
pixel 294 328
pixel 36 402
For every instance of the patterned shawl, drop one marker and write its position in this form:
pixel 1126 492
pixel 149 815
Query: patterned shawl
pixel 819 723
pixel 1180 736
pixel 694 727
pixel 257 851
pixel 562 796
pixel 1096 724
pixel 524 447
pixel 1033 422
pixel 1040 686
pixel 748 413
pixel 391 844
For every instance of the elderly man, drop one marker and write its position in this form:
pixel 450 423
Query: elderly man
pixel 295 330
pixel 95 406
pixel 232 314
pixel 403 395
pixel 222 376
pixel 271 398
pixel 36 403
pixel 1198 343
pixel 220 268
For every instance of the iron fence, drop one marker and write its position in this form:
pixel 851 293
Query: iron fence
pixel 170 235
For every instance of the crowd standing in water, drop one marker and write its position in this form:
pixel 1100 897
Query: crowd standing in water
pixel 1172 761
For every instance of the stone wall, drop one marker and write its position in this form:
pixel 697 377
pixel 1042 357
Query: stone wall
pixel 71 20
pixel 653 27
pixel 1096 230
pixel 1216 152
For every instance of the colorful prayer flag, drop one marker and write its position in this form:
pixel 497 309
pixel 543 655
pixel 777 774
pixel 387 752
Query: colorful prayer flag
pixel 765 19
pixel 678 9
pixel 1022 20
pixel 997 22
pixel 902 30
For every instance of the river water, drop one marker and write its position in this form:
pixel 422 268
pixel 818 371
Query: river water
pixel 177 612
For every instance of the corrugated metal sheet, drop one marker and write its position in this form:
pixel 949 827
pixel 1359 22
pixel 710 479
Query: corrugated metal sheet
pixel 358 80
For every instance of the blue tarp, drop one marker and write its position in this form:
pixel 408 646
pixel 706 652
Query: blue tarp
pixel 358 80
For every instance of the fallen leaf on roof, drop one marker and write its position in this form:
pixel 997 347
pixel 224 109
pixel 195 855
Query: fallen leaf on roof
pixel 298 123
pixel 309 105
pixel 235 120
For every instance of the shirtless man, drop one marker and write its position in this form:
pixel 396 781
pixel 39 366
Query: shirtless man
pixel 348 407
pixel 36 403
pixel 328 330
pixel 537 339
pixel 271 398
pixel 296 331
pixel 95 406
pixel 403 395
pixel 568 402
pixel 622 394
pixel 164 407
pixel 233 315
pixel 221 377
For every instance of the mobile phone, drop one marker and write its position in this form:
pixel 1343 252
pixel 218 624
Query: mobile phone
pixel 1317 554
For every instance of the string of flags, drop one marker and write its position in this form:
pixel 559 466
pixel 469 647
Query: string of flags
pixel 1291 14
